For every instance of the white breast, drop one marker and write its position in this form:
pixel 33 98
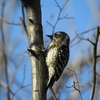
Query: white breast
pixel 51 57
pixel 50 62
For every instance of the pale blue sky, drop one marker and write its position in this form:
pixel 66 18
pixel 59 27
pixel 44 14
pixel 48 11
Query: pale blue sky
pixel 86 15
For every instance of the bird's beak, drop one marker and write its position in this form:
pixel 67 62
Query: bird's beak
pixel 50 36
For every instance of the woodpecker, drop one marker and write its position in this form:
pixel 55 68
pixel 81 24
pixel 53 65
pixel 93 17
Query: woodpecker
pixel 57 56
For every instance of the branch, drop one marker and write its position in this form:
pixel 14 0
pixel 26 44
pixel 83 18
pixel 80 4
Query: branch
pixel 59 15
pixel 87 39
pixel 94 64
pixel 74 83
pixel 85 32
pixel 4 53
pixel 23 20
pixel 21 86
pixel 94 61
pixel 5 86
pixel 9 23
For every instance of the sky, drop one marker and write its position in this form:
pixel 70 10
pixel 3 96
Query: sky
pixel 85 15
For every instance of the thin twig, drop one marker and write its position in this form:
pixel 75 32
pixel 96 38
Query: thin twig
pixel 49 24
pixel 5 86
pixel 66 18
pixel 87 39
pixel 3 41
pixel 23 20
pixel 54 96
pixel 77 83
pixel 59 14
pixel 85 32
pixel 9 23
pixel 58 4
pixel 22 86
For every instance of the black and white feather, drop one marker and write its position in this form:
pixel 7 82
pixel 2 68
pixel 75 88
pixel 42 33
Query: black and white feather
pixel 57 56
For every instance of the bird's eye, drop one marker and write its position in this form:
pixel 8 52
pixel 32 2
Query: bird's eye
pixel 55 35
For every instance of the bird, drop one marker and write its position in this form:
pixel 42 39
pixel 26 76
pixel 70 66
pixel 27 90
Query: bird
pixel 57 56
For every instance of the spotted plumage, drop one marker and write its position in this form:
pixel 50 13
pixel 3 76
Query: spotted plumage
pixel 57 56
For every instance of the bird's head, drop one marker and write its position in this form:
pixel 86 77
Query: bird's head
pixel 59 38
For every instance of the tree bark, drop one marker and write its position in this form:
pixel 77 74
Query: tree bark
pixel 37 58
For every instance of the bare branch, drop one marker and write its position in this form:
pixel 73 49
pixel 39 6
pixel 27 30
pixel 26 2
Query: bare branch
pixel 21 86
pixel 65 17
pixel 94 64
pixel 50 24
pixel 54 96
pixel 59 14
pixel 87 39
pixel 10 23
pixel 23 20
pixel 4 54
pixel 85 32
pixel 57 4
pixel 5 86
pixel 65 4
pixel 74 85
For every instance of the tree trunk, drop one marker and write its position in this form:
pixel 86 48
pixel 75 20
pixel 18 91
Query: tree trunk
pixel 37 58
